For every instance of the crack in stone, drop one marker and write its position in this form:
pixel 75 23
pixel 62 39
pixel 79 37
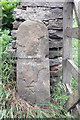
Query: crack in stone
pixel 40 71
pixel 41 37
pixel 20 45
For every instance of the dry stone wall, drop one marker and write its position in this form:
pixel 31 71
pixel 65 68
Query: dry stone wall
pixel 51 14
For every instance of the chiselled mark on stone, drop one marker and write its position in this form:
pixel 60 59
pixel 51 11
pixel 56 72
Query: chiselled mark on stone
pixel 31 90
pixel 33 82
pixel 40 37
pixel 24 80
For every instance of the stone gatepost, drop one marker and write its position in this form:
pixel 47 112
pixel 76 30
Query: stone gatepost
pixel 33 79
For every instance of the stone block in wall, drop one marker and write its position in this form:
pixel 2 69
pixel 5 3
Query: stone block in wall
pixel 11 51
pixel 54 14
pixel 55 61
pixel 53 43
pixel 14 33
pixel 55 71
pixel 13 44
pixel 42 4
pixel 55 24
pixel 16 24
pixel 33 76
pixel 53 54
pixel 38 13
pixel 25 15
pixel 55 34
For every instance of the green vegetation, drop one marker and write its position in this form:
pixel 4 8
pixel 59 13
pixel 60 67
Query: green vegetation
pixel 7 13
pixel 76 53
pixel 76 46
pixel 11 105
pixel 7 61
pixel 6 71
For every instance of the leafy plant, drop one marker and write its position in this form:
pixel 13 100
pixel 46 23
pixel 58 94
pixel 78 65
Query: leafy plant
pixel 7 13
pixel 6 72
pixel 58 100
pixel 7 61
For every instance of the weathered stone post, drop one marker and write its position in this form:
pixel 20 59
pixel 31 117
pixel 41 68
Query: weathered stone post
pixel 33 80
